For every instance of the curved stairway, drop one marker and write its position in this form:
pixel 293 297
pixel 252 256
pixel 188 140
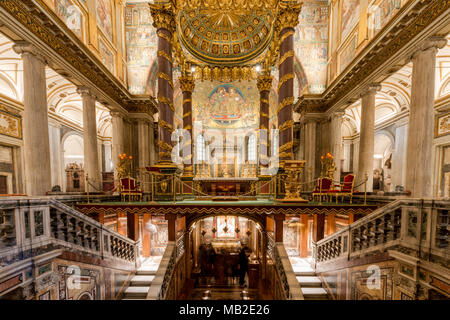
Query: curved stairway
pixel 141 281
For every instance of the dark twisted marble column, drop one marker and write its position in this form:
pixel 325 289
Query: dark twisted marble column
pixel 264 84
pixel 287 19
pixel 187 86
pixel 164 21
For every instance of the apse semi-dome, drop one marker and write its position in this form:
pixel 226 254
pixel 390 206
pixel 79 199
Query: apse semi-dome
pixel 225 37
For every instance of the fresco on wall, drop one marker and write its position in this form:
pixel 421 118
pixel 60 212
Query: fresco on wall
pixel 348 54
pixel 104 16
pixel 384 11
pixel 349 17
pixel 226 105
pixel 142 42
pixel 106 56
pixel 70 15
pixel 311 44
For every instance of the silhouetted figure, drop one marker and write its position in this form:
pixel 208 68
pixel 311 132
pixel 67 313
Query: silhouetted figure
pixel 211 258
pixel 243 266
pixel 203 257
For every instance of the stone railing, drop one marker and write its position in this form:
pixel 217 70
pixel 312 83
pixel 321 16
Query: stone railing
pixel 33 226
pixel 414 224
pixel 289 284
pixel 164 278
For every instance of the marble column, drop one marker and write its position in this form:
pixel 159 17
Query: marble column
pixel 336 142
pixel 279 220
pixel 151 142
pixel 91 158
pixel 366 140
pixel 288 20
pixel 187 87
pixel 264 84
pixel 143 152
pixel 117 139
pixel 36 144
pixel 164 22
pixel 304 228
pixel 419 166
pixel 56 158
pixel 310 128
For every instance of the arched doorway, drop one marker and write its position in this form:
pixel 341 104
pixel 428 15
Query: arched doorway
pixel 216 245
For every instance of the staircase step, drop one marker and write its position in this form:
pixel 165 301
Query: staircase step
pixel 304 273
pixel 309 282
pixel 136 292
pixel 314 294
pixel 142 280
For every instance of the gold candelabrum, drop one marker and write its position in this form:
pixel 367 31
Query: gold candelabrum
pixel 292 183
pixel 327 166
pixel 203 170
pixel 123 167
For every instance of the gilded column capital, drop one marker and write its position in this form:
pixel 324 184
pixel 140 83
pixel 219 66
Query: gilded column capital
pixel 288 14
pixel 264 82
pixel 337 115
pixel 187 83
pixel 163 16
pixel 370 89
pixel 23 47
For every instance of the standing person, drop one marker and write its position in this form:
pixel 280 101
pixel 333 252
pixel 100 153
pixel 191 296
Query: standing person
pixel 211 258
pixel 243 266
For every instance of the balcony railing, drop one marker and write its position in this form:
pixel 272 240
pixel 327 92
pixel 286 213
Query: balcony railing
pixel 35 225
pixel 420 225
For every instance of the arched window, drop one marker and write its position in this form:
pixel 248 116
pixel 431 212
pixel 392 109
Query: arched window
pixel 252 148
pixel 200 148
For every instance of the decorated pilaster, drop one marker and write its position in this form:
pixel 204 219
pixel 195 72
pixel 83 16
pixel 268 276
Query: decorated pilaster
pixel 421 119
pixel 36 143
pixel 164 22
pixel 366 141
pixel 286 21
pixel 91 159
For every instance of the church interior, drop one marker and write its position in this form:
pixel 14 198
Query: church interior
pixel 224 150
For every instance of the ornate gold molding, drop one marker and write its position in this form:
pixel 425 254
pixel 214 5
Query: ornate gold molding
pixel 187 114
pixel 166 77
pixel 286 55
pixel 166 101
pixel 164 145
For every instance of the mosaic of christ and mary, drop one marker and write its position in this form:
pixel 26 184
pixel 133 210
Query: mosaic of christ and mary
pixel 226 106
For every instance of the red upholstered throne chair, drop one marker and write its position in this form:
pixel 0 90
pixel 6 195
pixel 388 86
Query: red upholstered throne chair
pixel 128 188
pixel 322 188
pixel 344 190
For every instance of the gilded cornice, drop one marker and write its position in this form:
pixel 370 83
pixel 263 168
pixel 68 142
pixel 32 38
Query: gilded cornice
pixel 32 18
pixel 288 12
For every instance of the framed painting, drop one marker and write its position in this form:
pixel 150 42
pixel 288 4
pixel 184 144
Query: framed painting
pixel 104 17
pixel 71 15
pixel 350 11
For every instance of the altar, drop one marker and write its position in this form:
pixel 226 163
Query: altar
pixel 228 187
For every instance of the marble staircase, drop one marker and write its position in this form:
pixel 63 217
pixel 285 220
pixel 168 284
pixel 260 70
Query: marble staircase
pixel 309 282
pixel 141 281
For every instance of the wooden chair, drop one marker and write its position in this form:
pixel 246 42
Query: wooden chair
pixel 322 188
pixel 129 188
pixel 344 190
